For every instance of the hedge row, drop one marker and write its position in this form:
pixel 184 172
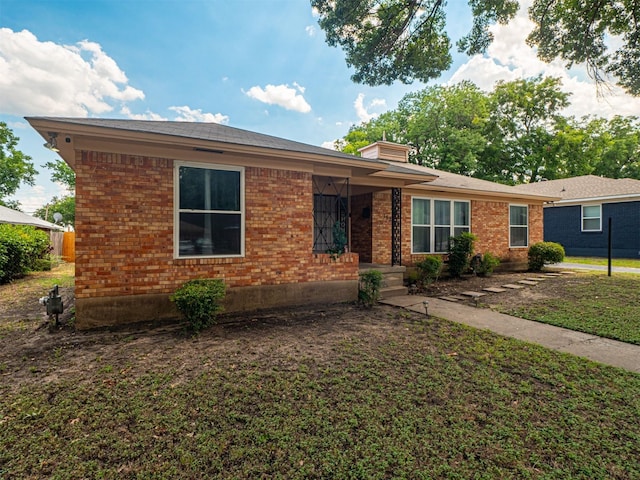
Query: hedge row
pixel 22 249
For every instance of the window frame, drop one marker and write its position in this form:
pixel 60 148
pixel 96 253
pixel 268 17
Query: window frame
pixel 432 221
pixel 526 227
pixel 583 218
pixel 177 210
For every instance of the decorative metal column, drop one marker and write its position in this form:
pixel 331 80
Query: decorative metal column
pixel 396 226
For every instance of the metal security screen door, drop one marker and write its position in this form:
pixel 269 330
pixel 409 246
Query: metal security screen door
pixel 330 214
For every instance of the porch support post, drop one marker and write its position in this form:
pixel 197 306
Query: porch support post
pixel 396 226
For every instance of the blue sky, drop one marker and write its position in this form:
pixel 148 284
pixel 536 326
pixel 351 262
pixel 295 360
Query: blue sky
pixel 258 65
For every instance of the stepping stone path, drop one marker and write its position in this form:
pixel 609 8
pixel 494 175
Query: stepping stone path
pixel 495 289
pixel 528 281
pixel 473 294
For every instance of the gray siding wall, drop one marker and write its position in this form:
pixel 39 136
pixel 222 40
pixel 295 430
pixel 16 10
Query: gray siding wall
pixel 563 225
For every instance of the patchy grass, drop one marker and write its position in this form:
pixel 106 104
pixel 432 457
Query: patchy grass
pixel 592 303
pixel 616 262
pixel 429 399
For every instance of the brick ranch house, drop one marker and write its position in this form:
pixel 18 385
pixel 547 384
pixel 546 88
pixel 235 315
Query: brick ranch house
pixel 159 203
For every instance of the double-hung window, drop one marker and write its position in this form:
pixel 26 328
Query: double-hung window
pixel 518 226
pixel 209 210
pixel 592 218
pixel 433 222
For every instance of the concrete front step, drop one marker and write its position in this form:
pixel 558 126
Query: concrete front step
pixel 389 292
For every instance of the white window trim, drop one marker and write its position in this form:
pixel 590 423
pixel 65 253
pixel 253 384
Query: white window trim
pixel 518 226
pixel 432 225
pixel 582 218
pixel 176 208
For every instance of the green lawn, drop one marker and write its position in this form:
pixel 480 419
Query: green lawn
pixel 430 399
pixel 616 262
pixel 398 396
pixel 592 303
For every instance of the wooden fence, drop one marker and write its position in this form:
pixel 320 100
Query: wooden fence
pixel 64 245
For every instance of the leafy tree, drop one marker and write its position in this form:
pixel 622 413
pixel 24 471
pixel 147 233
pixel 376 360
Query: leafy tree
pixel 66 206
pixel 406 40
pixel 445 126
pixel 62 173
pixel 621 149
pixel 388 40
pixel 524 117
pixel 15 167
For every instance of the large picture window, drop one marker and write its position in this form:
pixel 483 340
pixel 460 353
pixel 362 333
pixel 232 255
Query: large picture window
pixel 592 218
pixel 518 226
pixel 209 211
pixel 433 222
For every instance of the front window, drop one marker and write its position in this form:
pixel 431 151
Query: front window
pixel 592 218
pixel 518 226
pixel 209 211
pixel 431 232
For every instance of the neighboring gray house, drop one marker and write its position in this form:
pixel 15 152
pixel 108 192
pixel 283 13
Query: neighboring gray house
pixel 14 217
pixel 580 221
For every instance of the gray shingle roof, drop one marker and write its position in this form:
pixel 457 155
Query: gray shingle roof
pixel 204 131
pixel 584 187
pixel 455 181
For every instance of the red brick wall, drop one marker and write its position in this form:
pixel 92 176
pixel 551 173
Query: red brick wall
pixel 381 228
pixel 489 221
pixel 124 227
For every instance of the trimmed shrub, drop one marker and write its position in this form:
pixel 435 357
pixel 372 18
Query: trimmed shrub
pixel 200 301
pixel 460 253
pixel 22 248
pixel 487 264
pixel 428 270
pixel 542 253
pixel 369 287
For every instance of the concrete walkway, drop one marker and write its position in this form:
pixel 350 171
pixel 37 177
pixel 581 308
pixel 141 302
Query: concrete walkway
pixel 603 350
pixel 584 266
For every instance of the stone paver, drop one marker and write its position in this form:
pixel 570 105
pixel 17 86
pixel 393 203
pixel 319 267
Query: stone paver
pixel 495 289
pixel 473 294
pixel 527 282
pixel 449 299
pixel 513 286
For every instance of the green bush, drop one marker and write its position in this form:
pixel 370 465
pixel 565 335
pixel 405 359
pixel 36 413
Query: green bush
pixel 22 247
pixel 428 270
pixel 369 287
pixel 487 264
pixel 200 301
pixel 542 253
pixel 460 253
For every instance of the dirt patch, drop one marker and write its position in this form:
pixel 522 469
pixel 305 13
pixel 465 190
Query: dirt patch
pixel 33 352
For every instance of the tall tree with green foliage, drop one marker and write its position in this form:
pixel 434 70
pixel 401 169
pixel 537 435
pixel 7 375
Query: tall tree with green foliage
pixel 62 173
pixel 406 40
pixel 524 118
pixel 65 206
pixel 16 168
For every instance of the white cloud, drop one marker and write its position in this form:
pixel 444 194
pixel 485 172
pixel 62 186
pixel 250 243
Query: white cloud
pixel 509 58
pixel 330 144
pixel 44 78
pixel 282 95
pixel 187 114
pixel 148 115
pixel 363 111
pixel 311 30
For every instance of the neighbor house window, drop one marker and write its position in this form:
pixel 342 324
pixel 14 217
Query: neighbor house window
pixel 518 226
pixel 209 203
pixel 433 222
pixel 592 218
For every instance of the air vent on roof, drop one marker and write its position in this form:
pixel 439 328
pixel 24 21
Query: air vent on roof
pixel 386 151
